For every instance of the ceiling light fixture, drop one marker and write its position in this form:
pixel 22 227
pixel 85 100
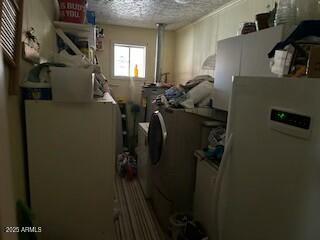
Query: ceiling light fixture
pixel 183 1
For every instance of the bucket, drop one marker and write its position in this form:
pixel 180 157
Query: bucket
pixel 178 222
pixel 73 11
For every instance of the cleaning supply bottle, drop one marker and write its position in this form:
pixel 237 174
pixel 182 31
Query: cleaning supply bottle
pixel 136 71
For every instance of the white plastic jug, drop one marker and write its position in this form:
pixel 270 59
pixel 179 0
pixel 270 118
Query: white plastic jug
pixel 295 11
pixel 286 12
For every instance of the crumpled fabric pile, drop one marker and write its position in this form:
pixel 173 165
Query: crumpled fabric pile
pixel 127 166
pixel 188 95
pixel 196 81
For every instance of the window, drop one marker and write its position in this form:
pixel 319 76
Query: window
pixel 10 31
pixel 10 12
pixel 127 58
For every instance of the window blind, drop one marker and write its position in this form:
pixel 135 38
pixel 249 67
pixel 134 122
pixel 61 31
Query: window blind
pixel 9 28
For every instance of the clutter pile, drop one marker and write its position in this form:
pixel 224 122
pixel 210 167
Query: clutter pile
pixel 196 92
pixel 184 227
pixel 214 152
pixel 298 55
pixel 44 81
pixel 193 231
pixel 127 166
pixel 73 73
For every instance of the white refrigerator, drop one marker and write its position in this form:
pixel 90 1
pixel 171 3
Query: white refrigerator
pixel 268 185
pixel 244 55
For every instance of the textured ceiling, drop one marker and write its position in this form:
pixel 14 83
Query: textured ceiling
pixel 146 13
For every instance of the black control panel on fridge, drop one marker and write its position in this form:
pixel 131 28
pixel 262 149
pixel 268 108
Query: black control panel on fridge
pixel 291 119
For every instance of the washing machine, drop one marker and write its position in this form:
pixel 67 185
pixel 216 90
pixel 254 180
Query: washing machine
pixel 173 137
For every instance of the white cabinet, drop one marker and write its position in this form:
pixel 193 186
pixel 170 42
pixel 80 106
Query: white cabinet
pixel 204 194
pixel 143 160
pixel 71 159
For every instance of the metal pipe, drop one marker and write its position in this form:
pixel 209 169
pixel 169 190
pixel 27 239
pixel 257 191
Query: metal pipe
pixel 159 52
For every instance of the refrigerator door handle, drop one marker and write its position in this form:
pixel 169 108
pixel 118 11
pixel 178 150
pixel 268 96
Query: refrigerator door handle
pixel 217 189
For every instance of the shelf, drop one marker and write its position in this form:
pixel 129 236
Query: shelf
pixel 65 26
pixel 84 31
